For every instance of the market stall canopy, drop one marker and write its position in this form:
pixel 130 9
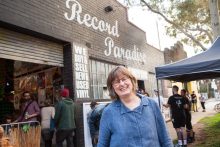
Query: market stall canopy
pixel 205 65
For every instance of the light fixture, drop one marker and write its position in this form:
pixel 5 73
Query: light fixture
pixel 108 9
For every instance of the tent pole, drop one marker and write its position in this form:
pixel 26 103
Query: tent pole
pixel 158 94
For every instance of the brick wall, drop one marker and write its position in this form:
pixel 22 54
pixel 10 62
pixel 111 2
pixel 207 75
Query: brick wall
pixel 175 53
pixel 155 58
pixel 47 17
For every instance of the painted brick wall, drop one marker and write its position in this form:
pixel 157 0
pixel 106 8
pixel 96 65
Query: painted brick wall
pixel 47 17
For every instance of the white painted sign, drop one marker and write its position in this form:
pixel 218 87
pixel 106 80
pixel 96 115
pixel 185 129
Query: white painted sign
pixel 88 20
pixel 81 71
pixel 76 14
pixel 118 52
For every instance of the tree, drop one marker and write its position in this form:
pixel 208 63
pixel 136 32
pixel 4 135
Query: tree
pixel 213 6
pixel 189 19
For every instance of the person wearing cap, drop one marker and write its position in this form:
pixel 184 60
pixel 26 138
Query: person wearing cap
pixel 65 119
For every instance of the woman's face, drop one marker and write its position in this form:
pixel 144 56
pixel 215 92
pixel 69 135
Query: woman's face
pixel 123 86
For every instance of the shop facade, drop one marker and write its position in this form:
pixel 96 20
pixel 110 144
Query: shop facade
pixel 73 44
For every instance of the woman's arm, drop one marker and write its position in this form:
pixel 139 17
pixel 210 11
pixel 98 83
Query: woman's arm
pixel 163 135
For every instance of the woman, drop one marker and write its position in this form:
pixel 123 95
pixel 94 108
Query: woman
pixel 47 114
pixel 131 120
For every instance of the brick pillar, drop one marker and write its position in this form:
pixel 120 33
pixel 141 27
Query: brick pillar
pixel 68 69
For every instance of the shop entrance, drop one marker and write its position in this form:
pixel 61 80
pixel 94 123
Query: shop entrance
pixel 141 85
pixel 42 81
pixel 28 63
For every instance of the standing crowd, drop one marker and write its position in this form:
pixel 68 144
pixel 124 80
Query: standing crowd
pixel 180 107
pixel 131 119
pixel 58 120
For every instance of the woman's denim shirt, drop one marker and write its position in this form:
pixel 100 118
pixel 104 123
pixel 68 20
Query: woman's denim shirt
pixel 142 127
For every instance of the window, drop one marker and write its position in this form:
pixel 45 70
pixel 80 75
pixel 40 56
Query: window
pixel 98 79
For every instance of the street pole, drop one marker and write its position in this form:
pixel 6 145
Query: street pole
pixel 158 94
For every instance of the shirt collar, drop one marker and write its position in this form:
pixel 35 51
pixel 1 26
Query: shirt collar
pixel 124 109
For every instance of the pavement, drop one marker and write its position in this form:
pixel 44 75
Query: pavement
pixel 196 116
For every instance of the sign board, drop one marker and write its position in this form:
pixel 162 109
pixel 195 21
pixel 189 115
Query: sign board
pixel 75 13
pixel 81 71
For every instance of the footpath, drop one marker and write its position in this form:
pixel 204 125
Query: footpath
pixel 196 116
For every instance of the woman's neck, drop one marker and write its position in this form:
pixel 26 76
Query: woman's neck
pixel 131 102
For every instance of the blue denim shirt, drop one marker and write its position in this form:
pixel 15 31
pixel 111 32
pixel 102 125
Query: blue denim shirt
pixel 142 127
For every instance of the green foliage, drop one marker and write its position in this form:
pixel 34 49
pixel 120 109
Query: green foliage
pixel 212 130
pixel 192 16
pixel 187 19
pixel 203 88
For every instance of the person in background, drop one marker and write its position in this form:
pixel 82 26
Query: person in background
pixel 189 128
pixel 202 101
pixel 155 98
pixel 65 119
pixel 94 121
pixel 178 105
pixel 194 101
pixel 30 109
pixel 145 93
pixel 47 116
pixel 6 108
pixel 131 119
pixel 7 128
pixel 92 106
pixel 105 93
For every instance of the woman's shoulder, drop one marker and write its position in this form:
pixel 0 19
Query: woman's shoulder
pixel 111 106
pixel 145 98
pixel 149 100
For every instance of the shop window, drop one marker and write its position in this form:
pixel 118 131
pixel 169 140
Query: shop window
pixel 42 81
pixel 98 77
